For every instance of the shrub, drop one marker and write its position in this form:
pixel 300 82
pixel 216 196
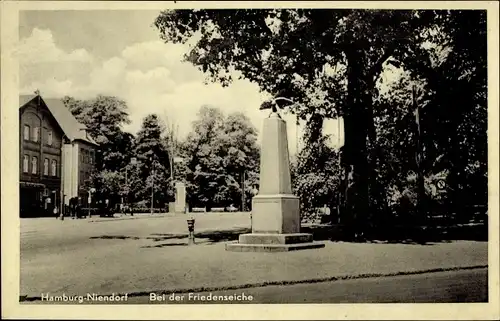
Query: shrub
pixel 148 210
pixel 85 211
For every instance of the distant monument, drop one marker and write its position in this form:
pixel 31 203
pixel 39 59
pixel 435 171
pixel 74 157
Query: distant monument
pixel 275 210
pixel 180 197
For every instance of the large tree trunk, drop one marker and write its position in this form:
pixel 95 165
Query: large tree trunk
pixel 356 169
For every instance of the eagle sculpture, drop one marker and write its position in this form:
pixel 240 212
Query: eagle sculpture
pixel 275 104
pixel 269 104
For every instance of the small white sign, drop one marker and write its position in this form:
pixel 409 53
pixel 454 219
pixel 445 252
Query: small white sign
pixel 441 184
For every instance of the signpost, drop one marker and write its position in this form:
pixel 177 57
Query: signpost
pixel 441 184
pixel 419 156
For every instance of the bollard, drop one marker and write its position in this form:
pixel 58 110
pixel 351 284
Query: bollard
pixel 190 223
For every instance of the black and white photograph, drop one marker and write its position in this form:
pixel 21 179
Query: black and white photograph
pixel 177 154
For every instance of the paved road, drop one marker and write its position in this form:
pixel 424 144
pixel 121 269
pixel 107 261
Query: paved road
pixel 150 254
pixel 439 287
pixel 51 235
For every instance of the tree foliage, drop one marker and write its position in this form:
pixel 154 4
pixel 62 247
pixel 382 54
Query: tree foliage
pixel 330 62
pixel 104 117
pixel 151 173
pixel 449 69
pixel 316 175
pixel 220 153
pixel 290 53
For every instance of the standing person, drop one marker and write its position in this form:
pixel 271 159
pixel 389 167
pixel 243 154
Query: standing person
pixel 72 208
pixel 78 208
pixel 47 206
pixel 107 210
pixel 56 212
pixel 101 208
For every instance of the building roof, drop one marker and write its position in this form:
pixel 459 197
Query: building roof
pixel 71 127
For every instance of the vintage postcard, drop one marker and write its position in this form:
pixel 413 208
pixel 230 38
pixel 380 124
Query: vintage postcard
pixel 250 160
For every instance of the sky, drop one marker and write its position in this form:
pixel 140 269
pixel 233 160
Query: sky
pixel 86 53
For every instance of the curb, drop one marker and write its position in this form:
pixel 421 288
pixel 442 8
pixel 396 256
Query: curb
pixel 144 216
pixel 119 218
pixel 289 282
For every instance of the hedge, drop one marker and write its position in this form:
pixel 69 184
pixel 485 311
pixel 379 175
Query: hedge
pixel 146 210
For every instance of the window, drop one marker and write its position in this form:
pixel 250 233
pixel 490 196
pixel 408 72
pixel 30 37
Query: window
pixel 36 134
pixel 46 166
pixel 26 161
pixel 54 167
pixel 34 165
pixel 26 132
pixel 91 159
pixel 49 138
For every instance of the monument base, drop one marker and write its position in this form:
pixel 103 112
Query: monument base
pixel 275 214
pixel 264 242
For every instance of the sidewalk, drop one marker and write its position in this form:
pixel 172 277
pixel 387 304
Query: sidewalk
pixel 119 217
pixel 138 266
pixel 116 217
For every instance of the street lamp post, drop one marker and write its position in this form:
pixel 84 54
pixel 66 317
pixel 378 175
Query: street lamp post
pixel 297 136
pixel 61 166
pixel 243 191
pixel 339 164
pixel 418 157
pixel 255 191
pixel 152 184
pixel 133 161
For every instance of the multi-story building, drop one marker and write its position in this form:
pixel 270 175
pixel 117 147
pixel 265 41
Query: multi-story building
pixel 57 156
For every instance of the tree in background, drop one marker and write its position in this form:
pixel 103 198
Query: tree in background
pixel 454 124
pixel 204 170
pixel 240 154
pixel 173 145
pixel 327 60
pixel 449 71
pixel 104 116
pixel 316 173
pixel 220 153
pixel 151 175
pixel 330 61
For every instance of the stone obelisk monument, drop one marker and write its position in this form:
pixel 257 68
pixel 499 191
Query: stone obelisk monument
pixel 180 197
pixel 275 210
